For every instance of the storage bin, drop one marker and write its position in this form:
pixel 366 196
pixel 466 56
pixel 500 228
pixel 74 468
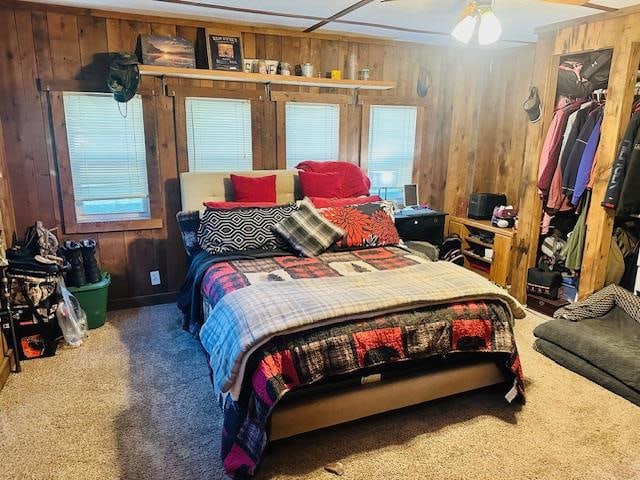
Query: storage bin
pixel 93 299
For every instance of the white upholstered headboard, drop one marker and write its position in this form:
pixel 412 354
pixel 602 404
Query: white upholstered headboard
pixel 198 187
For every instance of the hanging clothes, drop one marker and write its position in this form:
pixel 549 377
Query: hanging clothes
pixel 577 121
pixel 619 169
pixel 556 201
pixel 586 163
pixel 574 248
pixel 573 163
pixel 553 143
pixel 629 202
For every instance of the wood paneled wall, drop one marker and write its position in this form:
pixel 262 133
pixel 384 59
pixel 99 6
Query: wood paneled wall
pixel 7 214
pixel 486 147
pixel 471 136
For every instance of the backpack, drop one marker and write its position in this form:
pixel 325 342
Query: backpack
pixel 451 250
pixel 582 74
pixel 571 83
pixel 596 68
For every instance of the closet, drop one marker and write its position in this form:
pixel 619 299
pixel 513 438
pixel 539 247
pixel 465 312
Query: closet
pixel 561 205
pixel 566 166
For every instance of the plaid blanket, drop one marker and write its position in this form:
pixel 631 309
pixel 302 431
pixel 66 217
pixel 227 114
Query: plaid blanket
pixel 246 318
pixel 292 358
pixel 304 358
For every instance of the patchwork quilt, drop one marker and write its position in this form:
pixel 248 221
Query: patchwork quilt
pixel 241 322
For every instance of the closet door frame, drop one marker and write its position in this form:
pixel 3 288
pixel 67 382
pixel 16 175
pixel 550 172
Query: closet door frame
pixel 624 65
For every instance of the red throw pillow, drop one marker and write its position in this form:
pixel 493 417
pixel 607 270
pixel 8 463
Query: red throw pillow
pixel 320 202
pixel 367 225
pixel 254 189
pixel 354 182
pixel 230 205
pixel 325 185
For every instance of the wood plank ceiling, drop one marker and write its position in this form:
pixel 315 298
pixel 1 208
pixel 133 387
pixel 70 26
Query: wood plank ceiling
pixel 422 21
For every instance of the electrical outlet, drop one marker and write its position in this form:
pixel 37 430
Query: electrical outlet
pixel 155 277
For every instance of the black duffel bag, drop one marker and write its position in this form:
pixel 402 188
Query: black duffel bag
pixel 544 283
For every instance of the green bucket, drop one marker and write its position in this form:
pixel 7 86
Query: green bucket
pixel 93 300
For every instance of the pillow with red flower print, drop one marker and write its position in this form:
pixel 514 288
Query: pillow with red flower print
pixel 366 225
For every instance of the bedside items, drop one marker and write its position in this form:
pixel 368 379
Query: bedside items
pixel 421 224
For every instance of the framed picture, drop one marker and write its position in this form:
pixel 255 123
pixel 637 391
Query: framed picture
pixel 224 50
pixel 167 51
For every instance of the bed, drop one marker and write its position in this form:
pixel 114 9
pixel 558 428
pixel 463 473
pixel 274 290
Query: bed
pixel 297 344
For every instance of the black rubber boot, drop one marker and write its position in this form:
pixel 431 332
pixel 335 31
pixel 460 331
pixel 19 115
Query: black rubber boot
pixel 73 254
pixel 91 269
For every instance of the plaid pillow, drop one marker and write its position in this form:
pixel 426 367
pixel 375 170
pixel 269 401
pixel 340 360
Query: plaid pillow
pixel 307 231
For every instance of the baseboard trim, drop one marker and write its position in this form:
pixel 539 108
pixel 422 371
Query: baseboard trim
pixel 5 368
pixel 144 301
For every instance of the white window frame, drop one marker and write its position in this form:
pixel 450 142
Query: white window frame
pixel 243 161
pixel 292 159
pixel 388 181
pixel 132 125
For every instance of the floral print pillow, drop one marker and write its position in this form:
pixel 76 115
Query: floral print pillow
pixel 367 225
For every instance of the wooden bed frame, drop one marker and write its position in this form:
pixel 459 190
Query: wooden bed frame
pixel 345 404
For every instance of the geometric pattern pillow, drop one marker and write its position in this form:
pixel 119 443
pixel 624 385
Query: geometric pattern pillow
pixel 367 225
pixel 240 229
pixel 307 231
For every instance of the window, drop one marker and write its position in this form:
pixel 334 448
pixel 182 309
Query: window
pixel 219 134
pixel 392 135
pixel 313 130
pixel 108 157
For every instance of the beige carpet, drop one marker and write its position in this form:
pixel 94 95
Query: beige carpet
pixel 134 403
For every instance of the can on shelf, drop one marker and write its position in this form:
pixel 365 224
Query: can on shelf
pixel 307 70
pixel 285 68
pixel 364 74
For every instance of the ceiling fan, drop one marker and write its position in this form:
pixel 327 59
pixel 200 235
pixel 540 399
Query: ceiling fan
pixel 478 16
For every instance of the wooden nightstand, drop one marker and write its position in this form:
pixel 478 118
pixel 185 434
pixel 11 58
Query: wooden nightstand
pixel 481 236
pixel 422 224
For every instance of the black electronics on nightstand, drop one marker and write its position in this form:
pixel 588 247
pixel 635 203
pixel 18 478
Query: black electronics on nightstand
pixel 421 224
pixel 481 205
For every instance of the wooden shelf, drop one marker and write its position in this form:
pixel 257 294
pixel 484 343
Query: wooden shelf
pixel 223 75
pixel 483 225
pixel 479 271
pixel 475 241
pixel 477 257
pixel 502 246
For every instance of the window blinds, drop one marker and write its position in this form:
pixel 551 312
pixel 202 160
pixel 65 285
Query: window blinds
pixel 107 155
pixel 219 134
pixel 392 135
pixel 312 130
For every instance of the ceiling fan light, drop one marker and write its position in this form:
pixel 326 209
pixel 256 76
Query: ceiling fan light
pixel 463 31
pixel 490 29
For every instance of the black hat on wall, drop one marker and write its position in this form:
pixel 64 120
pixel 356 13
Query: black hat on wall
pixel 532 105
